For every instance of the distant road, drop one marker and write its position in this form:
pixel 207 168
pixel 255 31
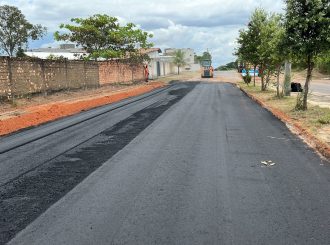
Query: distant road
pixel 198 163
pixel 321 87
pixel 320 92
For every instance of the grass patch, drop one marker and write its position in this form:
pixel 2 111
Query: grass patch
pixel 325 119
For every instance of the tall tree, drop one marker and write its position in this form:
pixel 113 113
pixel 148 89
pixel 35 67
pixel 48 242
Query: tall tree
pixel 103 37
pixel 16 31
pixel 272 49
pixel 249 40
pixel 179 60
pixel 307 27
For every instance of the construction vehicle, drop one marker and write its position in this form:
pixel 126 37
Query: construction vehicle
pixel 206 69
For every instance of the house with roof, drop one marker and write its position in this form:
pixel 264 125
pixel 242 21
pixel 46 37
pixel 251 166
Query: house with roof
pixel 159 65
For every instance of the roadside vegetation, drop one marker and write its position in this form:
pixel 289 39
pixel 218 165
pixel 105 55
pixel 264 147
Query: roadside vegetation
pixel 273 41
pixel 102 36
pixel 16 31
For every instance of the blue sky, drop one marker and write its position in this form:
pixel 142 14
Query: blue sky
pixel 197 24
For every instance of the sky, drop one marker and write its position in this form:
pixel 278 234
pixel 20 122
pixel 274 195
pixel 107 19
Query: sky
pixel 198 24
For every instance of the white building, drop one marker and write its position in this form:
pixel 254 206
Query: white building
pixel 68 51
pixel 159 65
pixel 189 57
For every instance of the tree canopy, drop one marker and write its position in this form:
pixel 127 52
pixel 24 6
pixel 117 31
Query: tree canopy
pixel 205 56
pixel 103 37
pixel 302 34
pixel 262 44
pixel 308 33
pixel 16 31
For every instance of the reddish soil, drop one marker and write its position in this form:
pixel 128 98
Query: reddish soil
pixel 36 115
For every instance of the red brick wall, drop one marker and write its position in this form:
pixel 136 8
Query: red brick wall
pixel 26 76
pixel 117 72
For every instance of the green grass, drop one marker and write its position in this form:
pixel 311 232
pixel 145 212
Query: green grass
pixel 324 119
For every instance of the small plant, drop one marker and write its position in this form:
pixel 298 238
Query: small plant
pixel 325 119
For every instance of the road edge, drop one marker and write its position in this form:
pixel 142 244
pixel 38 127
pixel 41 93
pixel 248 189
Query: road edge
pixel 320 147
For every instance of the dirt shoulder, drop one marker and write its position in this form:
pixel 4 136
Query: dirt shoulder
pixel 33 111
pixel 312 125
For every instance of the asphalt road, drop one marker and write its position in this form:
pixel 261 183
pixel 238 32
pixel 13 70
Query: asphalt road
pixel 183 166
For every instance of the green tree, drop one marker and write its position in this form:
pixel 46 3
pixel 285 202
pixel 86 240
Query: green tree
pixel 272 50
pixel 206 56
pixel 250 40
pixel 179 59
pixel 20 53
pixel 16 31
pixel 103 37
pixel 307 27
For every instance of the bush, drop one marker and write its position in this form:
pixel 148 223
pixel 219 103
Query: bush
pixel 247 79
pixel 324 120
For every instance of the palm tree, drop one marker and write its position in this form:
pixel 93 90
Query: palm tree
pixel 179 59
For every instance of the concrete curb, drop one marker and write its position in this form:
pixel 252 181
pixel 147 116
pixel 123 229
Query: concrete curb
pixel 319 146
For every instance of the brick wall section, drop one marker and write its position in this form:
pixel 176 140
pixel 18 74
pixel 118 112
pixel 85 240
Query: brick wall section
pixel 35 75
pixel 117 72
pixel 20 76
pixel 4 76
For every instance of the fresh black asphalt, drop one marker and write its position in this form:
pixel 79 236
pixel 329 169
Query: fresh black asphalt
pixel 188 165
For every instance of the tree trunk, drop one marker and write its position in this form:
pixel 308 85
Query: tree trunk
pixel 265 82
pixel 262 77
pixel 308 79
pixel 287 79
pixel 254 75
pixel 262 82
pixel 278 81
pixel 178 70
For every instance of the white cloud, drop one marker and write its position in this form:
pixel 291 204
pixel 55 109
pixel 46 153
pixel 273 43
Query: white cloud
pixel 196 24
